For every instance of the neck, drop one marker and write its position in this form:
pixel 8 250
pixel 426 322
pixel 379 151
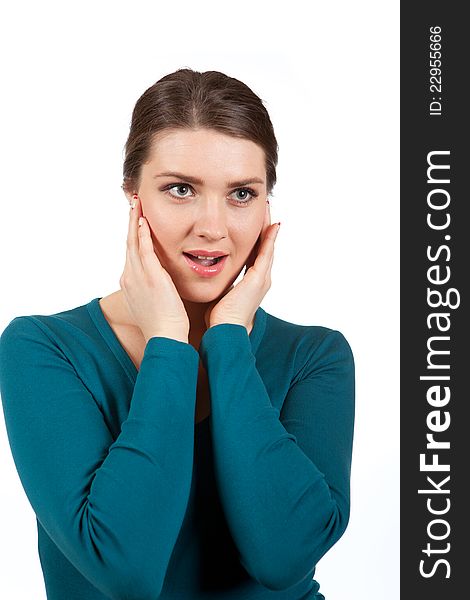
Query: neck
pixel 195 310
pixel 197 324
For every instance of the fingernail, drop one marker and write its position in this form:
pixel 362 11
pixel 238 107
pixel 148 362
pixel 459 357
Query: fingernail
pixel 133 204
pixel 141 220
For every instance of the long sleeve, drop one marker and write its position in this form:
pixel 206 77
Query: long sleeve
pixel 114 507
pixel 283 476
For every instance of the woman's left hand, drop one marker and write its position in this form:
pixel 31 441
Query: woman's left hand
pixel 240 304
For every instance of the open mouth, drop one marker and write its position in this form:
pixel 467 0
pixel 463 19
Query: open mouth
pixel 205 262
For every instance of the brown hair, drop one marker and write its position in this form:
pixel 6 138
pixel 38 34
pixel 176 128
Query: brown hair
pixel 188 99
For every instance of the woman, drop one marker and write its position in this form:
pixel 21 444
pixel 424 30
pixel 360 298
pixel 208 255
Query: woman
pixel 174 439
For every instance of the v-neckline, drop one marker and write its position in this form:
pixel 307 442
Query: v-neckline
pixel 107 332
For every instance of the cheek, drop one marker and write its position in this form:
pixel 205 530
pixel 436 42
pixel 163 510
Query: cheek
pixel 244 252
pixel 162 241
pixel 162 227
pixel 247 240
pixel 168 231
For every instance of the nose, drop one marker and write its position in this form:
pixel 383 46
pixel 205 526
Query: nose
pixel 211 219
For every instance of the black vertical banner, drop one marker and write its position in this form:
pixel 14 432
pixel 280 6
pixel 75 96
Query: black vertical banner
pixel 435 316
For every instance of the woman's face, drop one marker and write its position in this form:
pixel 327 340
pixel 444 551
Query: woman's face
pixel 213 199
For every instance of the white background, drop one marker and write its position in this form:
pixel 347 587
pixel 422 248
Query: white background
pixel 328 74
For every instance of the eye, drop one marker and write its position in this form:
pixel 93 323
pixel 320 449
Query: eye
pixel 243 201
pixel 245 191
pixel 178 185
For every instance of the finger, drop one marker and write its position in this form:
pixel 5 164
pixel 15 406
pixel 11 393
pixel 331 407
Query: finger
pixel 266 252
pixel 254 253
pixel 148 255
pixel 132 254
pixel 262 235
pixel 272 258
pixel 272 252
pixel 267 220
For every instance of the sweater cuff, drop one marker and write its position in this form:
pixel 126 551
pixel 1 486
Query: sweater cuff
pixel 224 336
pixel 165 389
pixel 238 394
pixel 160 346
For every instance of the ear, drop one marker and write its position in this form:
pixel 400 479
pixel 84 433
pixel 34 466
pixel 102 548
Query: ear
pixel 129 193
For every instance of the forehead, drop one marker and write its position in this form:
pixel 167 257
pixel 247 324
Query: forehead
pixel 206 153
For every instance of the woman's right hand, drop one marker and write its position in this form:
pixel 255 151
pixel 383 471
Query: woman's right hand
pixel 151 295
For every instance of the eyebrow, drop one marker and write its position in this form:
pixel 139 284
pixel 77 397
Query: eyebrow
pixel 198 181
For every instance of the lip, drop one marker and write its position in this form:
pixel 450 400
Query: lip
pixel 206 271
pixel 211 254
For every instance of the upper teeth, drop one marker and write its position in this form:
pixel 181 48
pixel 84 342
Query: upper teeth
pixel 205 257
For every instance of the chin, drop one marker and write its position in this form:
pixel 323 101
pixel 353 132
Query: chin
pixel 204 291
pixel 204 294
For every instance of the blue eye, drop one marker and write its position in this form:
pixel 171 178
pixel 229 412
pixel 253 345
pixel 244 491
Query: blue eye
pixel 177 185
pixel 251 192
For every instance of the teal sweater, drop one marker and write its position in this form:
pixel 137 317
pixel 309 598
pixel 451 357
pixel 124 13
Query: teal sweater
pixel 134 501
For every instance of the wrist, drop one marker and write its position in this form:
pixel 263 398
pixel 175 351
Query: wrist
pixel 179 337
